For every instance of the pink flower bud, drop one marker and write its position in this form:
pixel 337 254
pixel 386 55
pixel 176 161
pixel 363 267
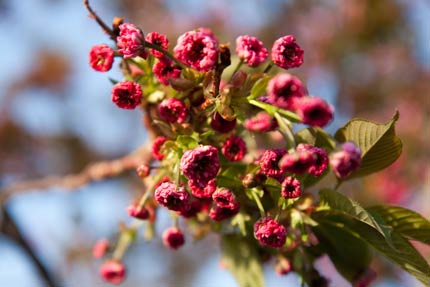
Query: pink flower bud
pixel 112 272
pixel 219 124
pixel 346 160
pixel 131 42
pixel 127 95
pixel 101 57
pixel 172 197
pixel 284 90
pixel 100 248
pixel 197 50
pixel 234 148
pixel 270 233
pixel 143 170
pixel 286 53
pixel 314 111
pixel 138 212
pixel 173 110
pixel 251 50
pixel 291 187
pixel 158 40
pixel 173 238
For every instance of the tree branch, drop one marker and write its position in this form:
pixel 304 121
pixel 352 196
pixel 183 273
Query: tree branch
pixel 93 172
pixel 10 228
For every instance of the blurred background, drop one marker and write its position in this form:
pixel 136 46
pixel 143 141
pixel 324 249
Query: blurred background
pixel 368 58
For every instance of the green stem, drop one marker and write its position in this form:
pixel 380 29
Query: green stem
pixel 165 53
pixel 124 242
pixel 339 182
pixel 259 205
pixel 286 131
pixel 268 68
pixel 148 191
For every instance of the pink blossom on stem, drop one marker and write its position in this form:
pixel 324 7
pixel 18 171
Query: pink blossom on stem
pixel 286 53
pixel 112 271
pixel 200 164
pixel 346 160
pixel 131 42
pixel 297 162
pixel 291 187
pixel 173 238
pixel 202 189
pixel 314 111
pixel 158 40
pixel 270 233
pixel 172 197
pixel 143 170
pixel 219 213
pixel 234 148
pixel 261 122
pixel 127 95
pixel 197 50
pixel 173 110
pixel 219 124
pixel 284 90
pixel 101 57
pixel 270 162
pixel 139 212
pixel 225 198
pixel 320 163
pixel 164 70
pixel 251 50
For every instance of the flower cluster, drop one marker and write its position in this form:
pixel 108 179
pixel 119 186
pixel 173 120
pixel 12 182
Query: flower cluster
pixel 218 159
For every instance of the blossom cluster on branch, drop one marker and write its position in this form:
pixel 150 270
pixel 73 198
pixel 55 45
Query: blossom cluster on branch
pixel 218 163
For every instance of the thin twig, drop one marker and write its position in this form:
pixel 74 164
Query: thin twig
pixel 10 228
pixel 99 21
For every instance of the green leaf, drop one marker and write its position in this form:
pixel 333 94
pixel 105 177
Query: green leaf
pixel 271 110
pixel 259 87
pixel 402 252
pixel 316 137
pixel 187 142
pixel 379 145
pixel 349 254
pixel 113 81
pixel 404 221
pixel 241 259
pixel 341 203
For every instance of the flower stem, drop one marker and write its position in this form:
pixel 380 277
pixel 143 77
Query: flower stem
pixel 286 131
pixel 148 191
pixel 268 68
pixel 124 242
pixel 259 205
pixel 165 53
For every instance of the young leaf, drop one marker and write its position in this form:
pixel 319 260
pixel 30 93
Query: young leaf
pixel 402 252
pixel 259 87
pixel 379 145
pixel 341 203
pixel 404 221
pixel 241 259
